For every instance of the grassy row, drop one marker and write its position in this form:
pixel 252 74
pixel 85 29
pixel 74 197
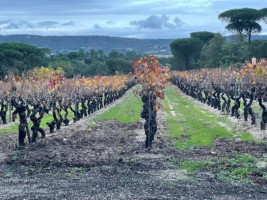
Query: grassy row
pixel 192 125
pixel 127 111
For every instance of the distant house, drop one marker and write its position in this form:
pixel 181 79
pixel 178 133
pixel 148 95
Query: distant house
pixel 163 56
pixel 254 61
pixel 262 60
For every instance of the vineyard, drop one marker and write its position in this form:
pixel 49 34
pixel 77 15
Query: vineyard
pixel 32 96
pixel 154 134
pixel 221 86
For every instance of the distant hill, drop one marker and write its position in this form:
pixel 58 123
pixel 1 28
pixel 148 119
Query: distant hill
pixel 259 37
pixel 75 43
pixel 253 37
pixel 105 43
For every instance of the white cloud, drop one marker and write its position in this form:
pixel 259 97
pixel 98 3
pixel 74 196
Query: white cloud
pixel 140 18
pixel 157 22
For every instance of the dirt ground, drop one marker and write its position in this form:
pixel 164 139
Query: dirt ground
pixel 110 161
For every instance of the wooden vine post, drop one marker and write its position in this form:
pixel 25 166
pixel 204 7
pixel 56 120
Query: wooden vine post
pixel 153 79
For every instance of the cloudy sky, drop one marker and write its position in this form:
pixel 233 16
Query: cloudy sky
pixel 124 18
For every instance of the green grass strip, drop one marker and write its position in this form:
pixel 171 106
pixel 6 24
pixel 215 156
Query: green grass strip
pixel 192 166
pixel 11 129
pixel 238 168
pixel 127 111
pixel 192 125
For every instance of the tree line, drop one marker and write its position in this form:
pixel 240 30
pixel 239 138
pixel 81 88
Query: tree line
pixel 19 58
pixel 202 50
pixel 208 50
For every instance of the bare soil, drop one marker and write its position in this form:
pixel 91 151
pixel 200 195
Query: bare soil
pixel 110 161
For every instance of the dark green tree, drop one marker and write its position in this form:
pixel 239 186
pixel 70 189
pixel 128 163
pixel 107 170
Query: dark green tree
pixel 114 54
pixel 79 67
pixel 263 49
pixel 242 21
pixel 74 55
pixel 101 56
pixel 254 48
pixel 46 51
pixel 234 54
pixel 264 14
pixel 93 55
pixel 131 55
pixel 204 36
pixel 186 50
pixel 97 68
pixel 19 57
pixel 211 53
pixel 170 62
pixel 119 65
pixel 66 66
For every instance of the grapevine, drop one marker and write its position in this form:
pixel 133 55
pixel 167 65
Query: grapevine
pixel 33 95
pixel 153 79
pixel 211 85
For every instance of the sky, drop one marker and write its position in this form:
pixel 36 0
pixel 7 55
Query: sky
pixel 151 19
